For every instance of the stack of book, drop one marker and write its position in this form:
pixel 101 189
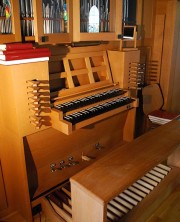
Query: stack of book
pixel 21 51
pixel 161 117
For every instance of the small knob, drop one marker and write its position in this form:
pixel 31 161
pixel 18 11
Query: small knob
pixel 53 167
pixel 63 165
pixel 72 162
pixel 98 146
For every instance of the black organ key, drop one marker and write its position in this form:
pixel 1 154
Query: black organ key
pixel 74 104
pixel 61 196
pixel 69 118
pixel 97 109
pixel 55 200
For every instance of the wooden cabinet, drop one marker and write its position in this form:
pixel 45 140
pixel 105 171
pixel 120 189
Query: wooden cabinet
pixel 34 155
pixel 65 21
pixel 76 26
pixel 110 24
pixel 38 21
pixel 69 21
pixel 10 30
pixel 51 21
pixel 161 20
pixel 15 124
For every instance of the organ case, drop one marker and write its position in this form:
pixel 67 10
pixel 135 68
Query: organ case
pixel 35 146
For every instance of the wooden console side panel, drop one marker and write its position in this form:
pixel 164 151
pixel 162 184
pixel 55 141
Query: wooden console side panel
pixel 14 93
pixel 90 210
pixel 174 158
pixel 14 175
pixel 119 63
pixel 15 124
pixel 129 126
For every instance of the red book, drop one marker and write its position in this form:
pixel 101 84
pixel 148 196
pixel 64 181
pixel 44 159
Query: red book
pixel 14 46
pixel 26 56
pixel 20 51
pixel 164 115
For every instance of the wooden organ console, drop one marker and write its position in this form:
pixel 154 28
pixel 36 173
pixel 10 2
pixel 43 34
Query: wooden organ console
pixel 69 154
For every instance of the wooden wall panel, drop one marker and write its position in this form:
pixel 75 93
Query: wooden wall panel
pixel 3 201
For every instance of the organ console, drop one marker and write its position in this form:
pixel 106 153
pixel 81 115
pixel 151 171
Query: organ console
pixel 71 154
pixel 98 98
pixel 128 184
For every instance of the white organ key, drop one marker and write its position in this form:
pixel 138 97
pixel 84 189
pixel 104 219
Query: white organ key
pixel 149 181
pixel 144 189
pixel 69 201
pixel 157 174
pixel 133 195
pixel 114 210
pixel 157 179
pixel 119 206
pixel 124 203
pixel 145 184
pixel 135 190
pixel 167 168
pixel 64 215
pixel 67 208
pixel 126 197
pixel 111 216
pixel 160 170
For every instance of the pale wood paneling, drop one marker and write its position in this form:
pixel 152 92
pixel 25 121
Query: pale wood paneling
pixel 157 47
pixel 3 200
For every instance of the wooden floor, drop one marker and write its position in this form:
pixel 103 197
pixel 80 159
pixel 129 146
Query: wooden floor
pixel 15 217
pixel 169 211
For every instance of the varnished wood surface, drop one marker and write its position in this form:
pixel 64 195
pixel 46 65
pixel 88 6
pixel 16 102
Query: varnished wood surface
pixel 120 69
pixel 14 125
pixel 161 193
pixel 14 217
pixel 51 146
pixel 110 175
pixel 169 210
pixel 3 201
